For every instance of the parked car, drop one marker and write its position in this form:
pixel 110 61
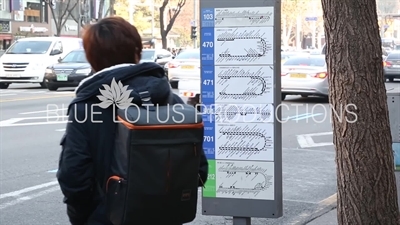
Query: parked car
pixel 391 66
pixel 186 65
pixel 69 72
pixel 160 56
pixel 305 76
pixel 286 55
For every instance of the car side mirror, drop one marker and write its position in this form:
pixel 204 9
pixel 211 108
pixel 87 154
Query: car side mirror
pixel 160 57
pixel 59 59
pixel 55 52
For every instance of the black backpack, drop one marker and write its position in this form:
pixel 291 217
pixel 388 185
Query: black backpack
pixel 155 167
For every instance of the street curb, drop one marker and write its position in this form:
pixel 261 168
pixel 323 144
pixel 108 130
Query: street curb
pixel 324 207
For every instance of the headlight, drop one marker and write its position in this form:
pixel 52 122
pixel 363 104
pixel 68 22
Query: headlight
pixel 48 70
pixel 83 71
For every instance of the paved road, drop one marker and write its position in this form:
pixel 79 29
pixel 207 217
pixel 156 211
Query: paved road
pixel 29 151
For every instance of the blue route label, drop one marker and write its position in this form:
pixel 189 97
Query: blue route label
pixel 209 130
pixel 207 17
pixel 207 84
pixel 207 46
pixel 207 80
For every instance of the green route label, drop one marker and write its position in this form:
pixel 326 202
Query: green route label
pixel 210 187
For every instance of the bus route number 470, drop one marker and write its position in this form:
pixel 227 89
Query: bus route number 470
pixel 208 44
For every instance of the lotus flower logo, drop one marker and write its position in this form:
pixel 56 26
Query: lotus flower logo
pixel 116 94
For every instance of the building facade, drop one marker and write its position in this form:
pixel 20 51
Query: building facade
pixel 23 18
pixel 5 24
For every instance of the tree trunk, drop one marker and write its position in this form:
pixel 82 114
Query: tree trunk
pixel 101 8
pixel 364 156
pixel 164 40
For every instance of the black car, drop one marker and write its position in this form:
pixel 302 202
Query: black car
pixel 70 70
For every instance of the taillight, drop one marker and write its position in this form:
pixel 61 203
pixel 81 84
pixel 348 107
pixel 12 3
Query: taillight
pixel 386 64
pixel 321 75
pixel 173 65
pixel 188 94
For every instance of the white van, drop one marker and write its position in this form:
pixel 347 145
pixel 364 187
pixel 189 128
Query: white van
pixel 26 60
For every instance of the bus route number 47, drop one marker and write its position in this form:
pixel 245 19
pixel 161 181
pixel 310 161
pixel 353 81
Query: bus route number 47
pixel 208 44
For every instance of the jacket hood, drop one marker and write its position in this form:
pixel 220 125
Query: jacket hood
pixel 125 82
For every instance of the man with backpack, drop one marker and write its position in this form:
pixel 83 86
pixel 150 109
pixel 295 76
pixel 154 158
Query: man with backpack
pixel 132 151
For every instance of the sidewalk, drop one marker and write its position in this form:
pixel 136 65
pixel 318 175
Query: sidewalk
pixel 329 218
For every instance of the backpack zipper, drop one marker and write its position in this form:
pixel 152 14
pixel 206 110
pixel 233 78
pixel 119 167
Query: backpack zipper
pixel 120 182
pixel 202 183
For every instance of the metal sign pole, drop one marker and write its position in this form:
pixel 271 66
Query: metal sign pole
pixel 241 221
pixel 240 51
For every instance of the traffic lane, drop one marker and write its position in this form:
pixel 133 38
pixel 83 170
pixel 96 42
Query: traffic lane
pixel 43 210
pixel 25 108
pixel 15 96
pixel 308 179
pixel 36 106
pixel 27 154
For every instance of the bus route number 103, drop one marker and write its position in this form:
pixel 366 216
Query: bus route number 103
pixel 208 16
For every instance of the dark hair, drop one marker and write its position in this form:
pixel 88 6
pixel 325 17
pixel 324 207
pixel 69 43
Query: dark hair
pixel 110 42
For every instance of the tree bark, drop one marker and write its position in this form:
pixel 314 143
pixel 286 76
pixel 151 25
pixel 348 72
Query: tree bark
pixel 364 156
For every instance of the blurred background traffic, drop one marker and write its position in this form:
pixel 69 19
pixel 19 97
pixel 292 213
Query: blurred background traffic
pixel 169 30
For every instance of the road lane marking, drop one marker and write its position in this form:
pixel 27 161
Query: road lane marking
pixel 306 140
pixel 60 130
pixel 53 171
pixel 36 92
pixel 29 197
pixel 35 98
pixel 28 189
pixel 296 116
pixel 307 116
pixel 3 95
pixel 10 121
pixel 12 91
pixel 34 124
pixel 43 111
pixel 321 134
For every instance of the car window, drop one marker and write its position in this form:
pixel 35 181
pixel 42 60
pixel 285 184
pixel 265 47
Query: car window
pixel 75 57
pixel 305 61
pixel 148 55
pixel 393 56
pixel 163 53
pixel 58 46
pixel 188 55
pixel 29 47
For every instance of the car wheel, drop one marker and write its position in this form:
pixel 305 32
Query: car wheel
pixel 4 85
pixel 43 85
pixel 52 87
pixel 283 97
pixel 174 84
pixel 391 79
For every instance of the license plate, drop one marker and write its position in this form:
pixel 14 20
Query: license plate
pixel 62 77
pixel 12 75
pixel 186 67
pixel 298 75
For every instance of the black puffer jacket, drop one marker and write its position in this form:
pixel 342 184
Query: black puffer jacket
pixel 87 147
